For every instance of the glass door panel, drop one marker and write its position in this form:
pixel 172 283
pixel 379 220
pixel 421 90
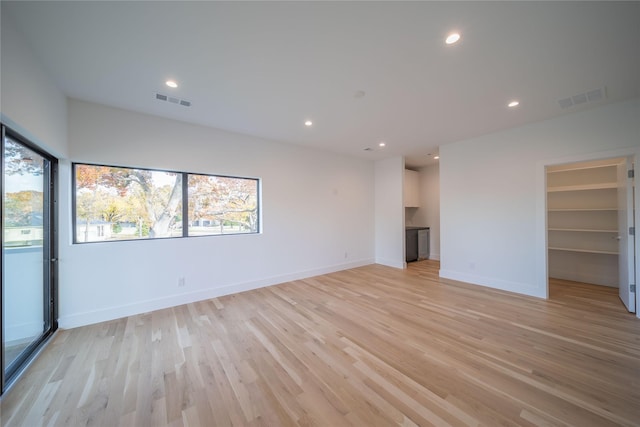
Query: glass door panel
pixel 26 177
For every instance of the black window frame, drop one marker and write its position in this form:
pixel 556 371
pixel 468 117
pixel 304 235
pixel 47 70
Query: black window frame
pixel 50 255
pixel 185 203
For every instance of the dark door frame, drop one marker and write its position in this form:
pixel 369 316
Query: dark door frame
pixel 50 255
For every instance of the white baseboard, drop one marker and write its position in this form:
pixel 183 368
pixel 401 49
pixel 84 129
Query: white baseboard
pixel 490 282
pixel 111 313
pixel 435 257
pixel 391 263
pixel 577 276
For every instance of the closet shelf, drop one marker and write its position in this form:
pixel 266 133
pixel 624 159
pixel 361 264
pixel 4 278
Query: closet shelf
pixel 584 187
pixel 589 251
pixel 582 221
pixel 589 230
pixel 582 209
pixel 583 166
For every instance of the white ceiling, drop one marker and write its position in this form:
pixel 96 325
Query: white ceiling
pixel 263 68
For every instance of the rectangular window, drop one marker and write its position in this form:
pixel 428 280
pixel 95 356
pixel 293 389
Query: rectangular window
pixel 114 203
pixel 118 203
pixel 222 205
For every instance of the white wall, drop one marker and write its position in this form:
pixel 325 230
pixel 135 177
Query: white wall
pixel 389 212
pixel 30 102
pixel 32 105
pixel 428 214
pixel 317 216
pixel 492 193
pixel 317 207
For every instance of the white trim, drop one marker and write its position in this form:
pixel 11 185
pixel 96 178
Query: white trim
pixel 490 282
pixel 91 317
pixel 392 263
pixel 581 276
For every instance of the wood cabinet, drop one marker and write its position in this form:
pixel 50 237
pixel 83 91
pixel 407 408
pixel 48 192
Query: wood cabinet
pixel 411 189
pixel 582 222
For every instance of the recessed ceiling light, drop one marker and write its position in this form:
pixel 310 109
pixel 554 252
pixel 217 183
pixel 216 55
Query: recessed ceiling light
pixel 308 123
pixel 452 38
pixel 436 157
pixel 171 83
pixel 382 144
pixel 513 104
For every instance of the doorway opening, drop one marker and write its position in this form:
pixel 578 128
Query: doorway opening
pixel 590 225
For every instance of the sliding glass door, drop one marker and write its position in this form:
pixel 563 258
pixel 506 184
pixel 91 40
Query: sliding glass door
pixel 27 251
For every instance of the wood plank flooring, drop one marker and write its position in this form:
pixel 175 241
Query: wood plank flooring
pixel 372 346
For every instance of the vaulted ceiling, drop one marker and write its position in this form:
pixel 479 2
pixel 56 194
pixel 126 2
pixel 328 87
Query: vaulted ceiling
pixel 362 72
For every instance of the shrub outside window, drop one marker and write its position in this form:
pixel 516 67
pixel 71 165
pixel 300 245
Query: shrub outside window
pixel 118 203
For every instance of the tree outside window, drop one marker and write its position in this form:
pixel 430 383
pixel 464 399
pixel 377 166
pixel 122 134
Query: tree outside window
pixel 117 203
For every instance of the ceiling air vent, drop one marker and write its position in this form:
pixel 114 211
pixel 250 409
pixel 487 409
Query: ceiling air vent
pixel 582 98
pixel 577 99
pixel 171 99
pixel 595 95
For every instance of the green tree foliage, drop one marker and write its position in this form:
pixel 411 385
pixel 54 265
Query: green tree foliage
pixel 19 160
pixel 22 208
pixel 153 200
pixel 122 194
pixel 223 199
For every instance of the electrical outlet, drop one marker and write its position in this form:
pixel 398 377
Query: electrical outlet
pixel 181 282
pixel 346 254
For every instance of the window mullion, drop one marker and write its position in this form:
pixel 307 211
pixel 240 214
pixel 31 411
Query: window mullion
pixel 185 204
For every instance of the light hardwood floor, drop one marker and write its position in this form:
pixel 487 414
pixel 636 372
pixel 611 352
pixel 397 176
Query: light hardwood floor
pixel 372 346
